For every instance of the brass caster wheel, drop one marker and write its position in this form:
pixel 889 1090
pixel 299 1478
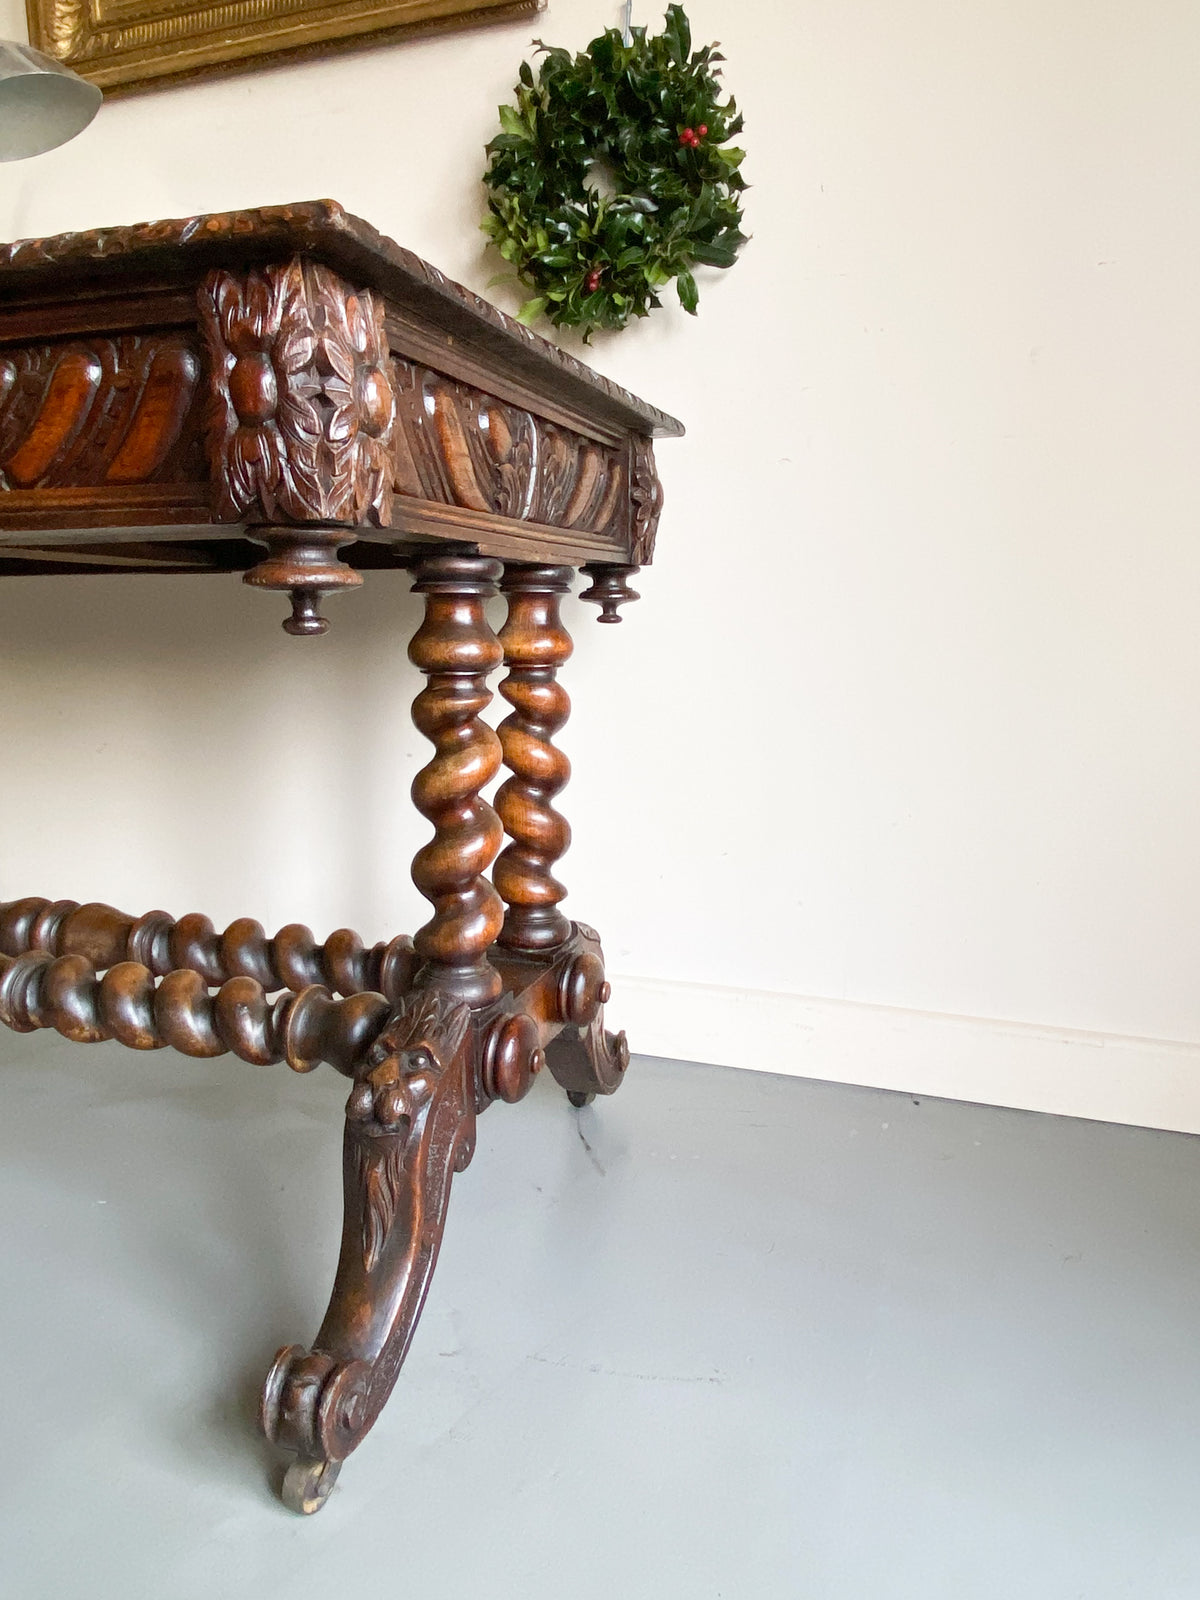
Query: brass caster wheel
pixel 307 1485
pixel 578 1099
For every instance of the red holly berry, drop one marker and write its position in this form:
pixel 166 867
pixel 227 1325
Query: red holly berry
pixel 593 280
pixel 702 130
pixel 688 137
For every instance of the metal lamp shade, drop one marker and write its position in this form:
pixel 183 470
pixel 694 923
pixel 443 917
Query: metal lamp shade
pixel 42 103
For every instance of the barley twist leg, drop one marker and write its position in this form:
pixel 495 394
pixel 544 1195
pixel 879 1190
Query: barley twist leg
pixel 536 645
pixel 456 650
pixel 410 1119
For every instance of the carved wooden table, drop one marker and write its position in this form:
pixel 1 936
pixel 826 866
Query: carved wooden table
pixel 287 394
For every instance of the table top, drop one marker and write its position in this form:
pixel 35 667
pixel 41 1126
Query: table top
pixel 166 386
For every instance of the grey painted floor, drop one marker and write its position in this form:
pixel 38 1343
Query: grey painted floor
pixel 723 1335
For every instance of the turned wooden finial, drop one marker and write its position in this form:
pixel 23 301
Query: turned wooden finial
pixel 304 564
pixel 609 588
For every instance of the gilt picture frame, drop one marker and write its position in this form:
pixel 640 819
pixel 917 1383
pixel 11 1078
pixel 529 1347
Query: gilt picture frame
pixel 128 45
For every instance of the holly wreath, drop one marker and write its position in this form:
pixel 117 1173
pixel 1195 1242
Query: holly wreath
pixel 647 117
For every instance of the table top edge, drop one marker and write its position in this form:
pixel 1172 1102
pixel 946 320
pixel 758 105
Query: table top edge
pixel 326 230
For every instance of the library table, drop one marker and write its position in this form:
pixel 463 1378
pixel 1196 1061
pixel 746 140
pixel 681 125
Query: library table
pixel 286 394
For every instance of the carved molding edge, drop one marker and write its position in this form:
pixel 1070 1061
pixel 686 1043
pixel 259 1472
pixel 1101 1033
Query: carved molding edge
pixel 310 225
pixel 301 402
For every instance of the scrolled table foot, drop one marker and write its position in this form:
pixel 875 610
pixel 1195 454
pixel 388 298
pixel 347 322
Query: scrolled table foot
pixel 588 1061
pixel 585 1058
pixel 410 1126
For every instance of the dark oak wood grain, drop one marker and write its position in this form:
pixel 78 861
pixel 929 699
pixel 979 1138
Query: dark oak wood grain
pixel 286 395
pixel 100 411
pixel 263 372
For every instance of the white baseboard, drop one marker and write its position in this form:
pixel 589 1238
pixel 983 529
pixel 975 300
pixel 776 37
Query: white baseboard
pixel 1107 1077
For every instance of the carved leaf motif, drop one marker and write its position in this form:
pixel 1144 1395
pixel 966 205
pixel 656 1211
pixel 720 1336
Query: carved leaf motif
pixel 302 404
pixel 429 1018
pixel 353 357
pixel 561 457
pixel 456 445
pixel 647 496
pixel 383 1184
pixel 512 441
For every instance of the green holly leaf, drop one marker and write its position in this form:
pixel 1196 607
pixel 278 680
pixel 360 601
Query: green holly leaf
pixel 676 206
pixel 678 34
pixel 714 255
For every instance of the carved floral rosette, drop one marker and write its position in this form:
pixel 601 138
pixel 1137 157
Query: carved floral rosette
pixel 302 406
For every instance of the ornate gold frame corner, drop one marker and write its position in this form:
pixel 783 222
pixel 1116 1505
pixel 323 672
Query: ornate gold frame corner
pixel 129 45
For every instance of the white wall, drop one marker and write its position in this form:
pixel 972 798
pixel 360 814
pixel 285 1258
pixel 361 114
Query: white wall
pixel 908 716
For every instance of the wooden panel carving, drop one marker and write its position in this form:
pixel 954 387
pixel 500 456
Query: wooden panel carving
pixel 647 496
pixel 422 1039
pixel 132 42
pixel 458 446
pixel 347 243
pixel 302 408
pixel 245 362
pixel 100 411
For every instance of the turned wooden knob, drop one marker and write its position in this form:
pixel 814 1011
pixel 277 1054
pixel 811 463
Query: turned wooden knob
pixel 303 563
pixel 609 588
pixel 512 1057
pixel 582 990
